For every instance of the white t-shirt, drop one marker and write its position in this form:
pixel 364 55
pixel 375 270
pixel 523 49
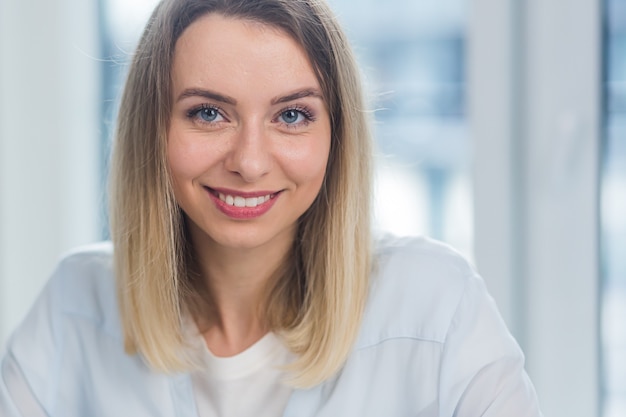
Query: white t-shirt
pixel 250 383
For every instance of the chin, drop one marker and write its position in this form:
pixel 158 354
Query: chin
pixel 252 239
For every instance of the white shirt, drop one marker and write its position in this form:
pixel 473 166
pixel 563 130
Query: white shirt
pixel 250 383
pixel 431 344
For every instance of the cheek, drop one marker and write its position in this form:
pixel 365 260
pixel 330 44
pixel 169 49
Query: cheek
pixel 307 165
pixel 179 166
pixel 186 158
pixel 180 162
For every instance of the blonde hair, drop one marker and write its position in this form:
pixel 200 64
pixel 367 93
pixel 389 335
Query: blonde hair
pixel 317 301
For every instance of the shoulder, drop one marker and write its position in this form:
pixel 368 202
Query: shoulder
pixel 81 289
pixel 417 287
pixel 431 326
pixel 69 349
pixel 75 312
pixel 85 282
pixel 419 254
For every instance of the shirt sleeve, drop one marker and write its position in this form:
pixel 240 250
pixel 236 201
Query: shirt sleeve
pixel 482 372
pixel 16 396
pixel 29 366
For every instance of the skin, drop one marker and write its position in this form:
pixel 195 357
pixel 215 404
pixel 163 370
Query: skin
pixel 248 119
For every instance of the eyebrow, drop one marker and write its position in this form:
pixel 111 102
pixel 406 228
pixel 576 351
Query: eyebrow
pixel 307 92
pixel 198 92
pixel 211 95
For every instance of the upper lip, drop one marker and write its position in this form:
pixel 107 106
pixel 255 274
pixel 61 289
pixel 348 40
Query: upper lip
pixel 244 194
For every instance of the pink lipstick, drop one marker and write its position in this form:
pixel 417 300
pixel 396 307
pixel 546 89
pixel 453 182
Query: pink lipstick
pixel 242 205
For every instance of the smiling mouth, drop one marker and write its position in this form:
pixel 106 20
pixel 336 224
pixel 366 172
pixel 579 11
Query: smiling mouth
pixel 239 201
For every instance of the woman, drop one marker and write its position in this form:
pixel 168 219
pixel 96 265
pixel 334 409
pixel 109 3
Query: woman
pixel 243 281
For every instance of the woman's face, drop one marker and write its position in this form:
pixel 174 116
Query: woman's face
pixel 249 136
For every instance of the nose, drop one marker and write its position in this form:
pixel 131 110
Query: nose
pixel 250 156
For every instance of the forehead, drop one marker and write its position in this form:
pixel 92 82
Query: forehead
pixel 215 48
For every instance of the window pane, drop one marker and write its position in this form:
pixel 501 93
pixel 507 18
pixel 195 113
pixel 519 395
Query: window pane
pixel 613 213
pixel 121 24
pixel 412 56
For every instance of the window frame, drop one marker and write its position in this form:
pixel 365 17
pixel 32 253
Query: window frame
pixel 49 128
pixel 535 71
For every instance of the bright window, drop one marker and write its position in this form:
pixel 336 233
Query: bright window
pixel 613 212
pixel 413 57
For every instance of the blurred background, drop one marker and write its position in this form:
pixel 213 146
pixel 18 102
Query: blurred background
pixel 500 126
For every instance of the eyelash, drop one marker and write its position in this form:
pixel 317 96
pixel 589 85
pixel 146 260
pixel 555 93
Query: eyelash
pixel 194 114
pixel 304 111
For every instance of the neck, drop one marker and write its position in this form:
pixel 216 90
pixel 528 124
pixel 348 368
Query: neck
pixel 237 281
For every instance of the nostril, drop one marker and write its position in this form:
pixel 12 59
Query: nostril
pixel 250 167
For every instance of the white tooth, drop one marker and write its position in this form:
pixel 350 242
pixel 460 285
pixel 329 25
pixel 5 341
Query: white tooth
pixel 222 197
pixel 230 200
pixel 240 202
pixel 251 202
pixel 260 200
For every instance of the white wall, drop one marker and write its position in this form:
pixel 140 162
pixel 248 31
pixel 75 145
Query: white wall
pixel 49 79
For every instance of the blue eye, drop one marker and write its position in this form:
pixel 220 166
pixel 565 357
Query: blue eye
pixel 292 116
pixel 208 114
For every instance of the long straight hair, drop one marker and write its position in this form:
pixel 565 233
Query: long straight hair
pixel 316 301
